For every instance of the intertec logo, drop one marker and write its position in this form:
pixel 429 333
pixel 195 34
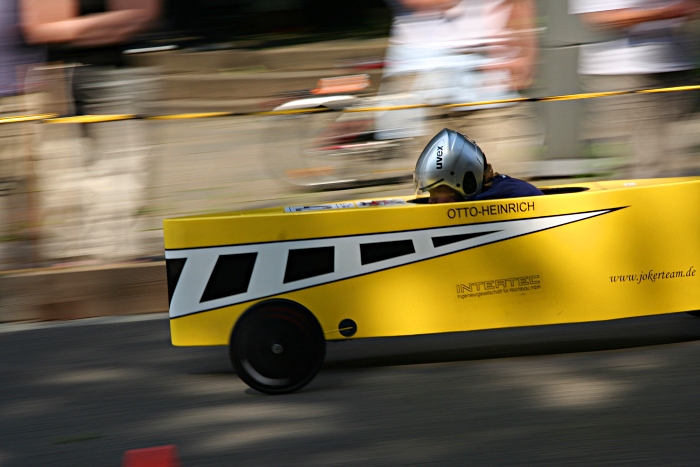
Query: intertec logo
pixel 498 286
pixel 653 276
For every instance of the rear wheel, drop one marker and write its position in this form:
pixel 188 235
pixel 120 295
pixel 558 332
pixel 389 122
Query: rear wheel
pixel 277 347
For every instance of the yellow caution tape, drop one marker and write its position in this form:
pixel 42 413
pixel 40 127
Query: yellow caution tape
pixel 26 118
pixel 673 89
pixel 91 118
pixel 191 115
pixel 52 118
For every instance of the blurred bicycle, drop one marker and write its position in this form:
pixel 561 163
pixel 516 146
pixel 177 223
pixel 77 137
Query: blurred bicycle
pixel 347 138
pixel 331 146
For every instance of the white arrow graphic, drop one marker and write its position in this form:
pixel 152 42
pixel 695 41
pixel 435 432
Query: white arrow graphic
pixel 351 257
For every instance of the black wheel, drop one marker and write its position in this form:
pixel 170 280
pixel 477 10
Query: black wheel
pixel 695 313
pixel 277 347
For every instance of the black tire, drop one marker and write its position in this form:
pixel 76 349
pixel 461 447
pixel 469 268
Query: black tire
pixel 695 313
pixel 277 347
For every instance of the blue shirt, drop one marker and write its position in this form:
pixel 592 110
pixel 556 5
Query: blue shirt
pixel 504 186
pixel 15 55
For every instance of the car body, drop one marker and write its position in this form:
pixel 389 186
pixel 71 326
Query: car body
pixel 399 266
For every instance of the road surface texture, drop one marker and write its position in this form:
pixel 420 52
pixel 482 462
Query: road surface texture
pixel 617 393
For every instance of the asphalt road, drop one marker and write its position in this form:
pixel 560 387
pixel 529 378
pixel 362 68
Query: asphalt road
pixel 615 393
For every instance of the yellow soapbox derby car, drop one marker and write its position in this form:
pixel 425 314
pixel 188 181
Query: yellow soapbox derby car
pixel 275 284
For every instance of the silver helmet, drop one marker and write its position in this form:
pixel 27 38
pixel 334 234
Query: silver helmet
pixel 451 159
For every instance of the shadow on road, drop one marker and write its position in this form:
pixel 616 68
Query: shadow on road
pixel 515 342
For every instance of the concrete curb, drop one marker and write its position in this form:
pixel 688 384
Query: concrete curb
pixel 83 292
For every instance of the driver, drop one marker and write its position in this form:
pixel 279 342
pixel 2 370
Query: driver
pixel 453 168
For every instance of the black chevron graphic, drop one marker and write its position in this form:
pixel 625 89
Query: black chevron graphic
pixel 450 239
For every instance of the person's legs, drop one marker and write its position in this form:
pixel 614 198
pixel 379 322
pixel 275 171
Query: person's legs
pixel 638 123
pixel 392 124
pixel 116 168
pixel 15 147
pixel 92 178
pixel 58 170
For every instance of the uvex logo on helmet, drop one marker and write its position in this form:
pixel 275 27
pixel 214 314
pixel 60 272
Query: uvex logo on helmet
pixel 438 160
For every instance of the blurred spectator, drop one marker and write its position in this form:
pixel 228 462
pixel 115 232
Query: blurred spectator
pixel 15 138
pixel 460 51
pixel 642 48
pixel 92 178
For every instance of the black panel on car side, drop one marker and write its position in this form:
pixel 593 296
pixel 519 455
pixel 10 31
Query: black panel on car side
pixel 309 262
pixel 381 251
pixel 231 276
pixel 449 239
pixel 173 269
